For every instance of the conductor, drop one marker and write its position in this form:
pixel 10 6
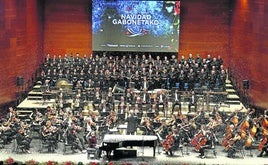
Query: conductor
pixel 131 123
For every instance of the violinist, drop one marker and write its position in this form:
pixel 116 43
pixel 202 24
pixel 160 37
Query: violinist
pixel 91 127
pixel 182 119
pixel 162 131
pixel 77 135
pixel 36 117
pixel 156 117
pixel 6 132
pixel 11 112
pixel 23 139
pixel 14 122
pixel 148 129
pixel 49 135
pixel 172 121
pixel 111 119
pixel 73 138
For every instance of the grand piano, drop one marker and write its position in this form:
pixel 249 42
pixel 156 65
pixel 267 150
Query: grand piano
pixel 111 142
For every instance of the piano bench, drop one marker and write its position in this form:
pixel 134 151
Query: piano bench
pixel 91 153
pixel 125 153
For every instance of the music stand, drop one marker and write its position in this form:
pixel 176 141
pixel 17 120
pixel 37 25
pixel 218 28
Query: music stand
pixel 121 118
pixel 102 131
pixel 104 113
pixel 139 114
pixel 150 114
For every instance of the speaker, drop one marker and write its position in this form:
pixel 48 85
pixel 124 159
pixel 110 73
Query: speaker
pixel 245 84
pixel 20 81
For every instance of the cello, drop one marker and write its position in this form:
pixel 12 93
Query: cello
pixel 262 143
pixel 168 142
pixel 201 143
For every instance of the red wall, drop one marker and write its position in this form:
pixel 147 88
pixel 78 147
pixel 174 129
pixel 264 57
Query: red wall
pixel 67 27
pixel 249 47
pixel 205 28
pixel 21 41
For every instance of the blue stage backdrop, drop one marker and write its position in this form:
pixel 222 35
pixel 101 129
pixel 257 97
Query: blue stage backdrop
pixel 135 25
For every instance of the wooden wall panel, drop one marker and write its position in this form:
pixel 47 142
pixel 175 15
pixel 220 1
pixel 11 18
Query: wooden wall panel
pixel 21 45
pixel 249 47
pixel 236 30
pixel 67 27
pixel 205 28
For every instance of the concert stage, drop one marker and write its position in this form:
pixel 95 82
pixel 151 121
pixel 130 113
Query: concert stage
pixel 144 156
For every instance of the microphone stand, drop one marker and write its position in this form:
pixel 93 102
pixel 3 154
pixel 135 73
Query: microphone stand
pixel 143 142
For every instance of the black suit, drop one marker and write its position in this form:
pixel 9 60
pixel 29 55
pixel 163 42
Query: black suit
pixel 193 102
pixel 131 124
pixel 177 101
pixel 162 100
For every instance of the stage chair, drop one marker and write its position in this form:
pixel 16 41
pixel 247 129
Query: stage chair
pixel 177 146
pixel 92 153
pixel 18 148
pixel 177 85
pixel 211 150
pixel 239 147
pixel 186 86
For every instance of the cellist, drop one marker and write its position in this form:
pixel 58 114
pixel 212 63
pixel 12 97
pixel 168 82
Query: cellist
pixel 169 141
pixel 208 141
pixel 234 143
pixel 263 146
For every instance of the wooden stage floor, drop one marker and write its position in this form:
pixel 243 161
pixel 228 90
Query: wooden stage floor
pixel 144 156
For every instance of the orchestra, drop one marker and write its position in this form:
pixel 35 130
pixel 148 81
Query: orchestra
pixel 141 111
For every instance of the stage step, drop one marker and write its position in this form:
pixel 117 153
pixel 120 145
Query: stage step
pixel 231 91
pixel 35 97
pixel 24 114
